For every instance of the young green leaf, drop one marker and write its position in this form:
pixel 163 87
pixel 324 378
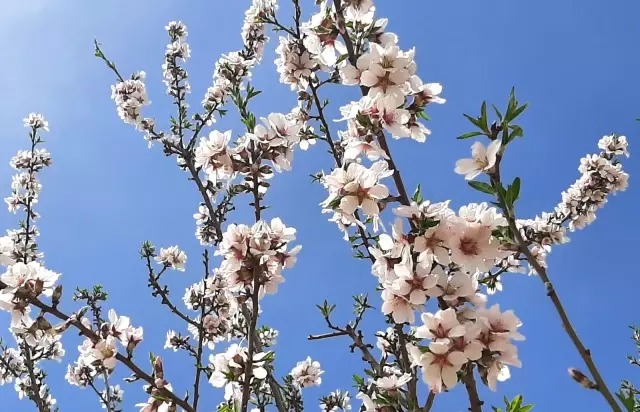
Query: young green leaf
pixel 468 135
pixel 484 121
pixel 482 187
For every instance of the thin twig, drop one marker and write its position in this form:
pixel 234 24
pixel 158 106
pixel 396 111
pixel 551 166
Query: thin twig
pixel 339 163
pixel 163 293
pixel 585 353
pixel 327 335
pixel 196 384
pixel 92 386
pixel 107 391
pixel 139 373
pixel 429 404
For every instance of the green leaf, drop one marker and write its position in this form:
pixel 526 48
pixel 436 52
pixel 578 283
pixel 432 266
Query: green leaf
pixel 476 122
pixel 513 104
pixel 628 401
pixel 359 380
pixel 517 112
pixel 516 131
pixel 417 195
pixel 515 186
pixel 495 109
pixel 482 187
pixel 513 192
pixel 484 121
pixel 468 135
pixel 423 115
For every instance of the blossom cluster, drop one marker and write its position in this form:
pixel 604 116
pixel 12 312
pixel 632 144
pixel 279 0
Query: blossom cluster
pixel 460 336
pixel 229 370
pixel 232 68
pixel 356 187
pixel 222 320
pixel 602 175
pixel 255 256
pixel 130 96
pixel 25 278
pixel 99 355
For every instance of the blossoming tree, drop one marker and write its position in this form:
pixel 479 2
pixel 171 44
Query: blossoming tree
pixel 435 265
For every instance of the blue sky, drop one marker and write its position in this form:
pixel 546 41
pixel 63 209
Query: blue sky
pixel 575 62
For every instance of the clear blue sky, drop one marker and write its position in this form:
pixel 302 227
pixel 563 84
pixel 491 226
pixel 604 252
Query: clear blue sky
pixel 576 62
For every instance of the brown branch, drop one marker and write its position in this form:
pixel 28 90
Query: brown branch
pixel 475 404
pixel 327 335
pixel 198 356
pixel 139 373
pixel 429 404
pixel 273 385
pixel 585 353
pixel 160 291
pixel 339 163
pixel 251 332
pixel 35 388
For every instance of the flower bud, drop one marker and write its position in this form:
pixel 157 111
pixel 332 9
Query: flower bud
pixel 582 379
pixel 57 294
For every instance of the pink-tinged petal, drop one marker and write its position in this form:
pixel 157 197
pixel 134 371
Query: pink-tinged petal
pixel 465 166
pixel 478 150
pixel 439 348
pixel 433 376
pixel 399 77
pixel 457 331
pixel 349 204
pixel 370 207
pixel 397 129
pixel 473 175
pixel 378 192
pixel 449 376
pixel 417 297
pixel 363 62
pixel 368 78
pixel 433 88
pixel 473 351
pixel 492 152
pixel 457 358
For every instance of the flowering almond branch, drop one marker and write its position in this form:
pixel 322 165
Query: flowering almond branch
pixel 429 259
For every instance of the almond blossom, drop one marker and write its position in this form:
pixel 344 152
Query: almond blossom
pixel 483 159
pixel 172 257
pixel 307 373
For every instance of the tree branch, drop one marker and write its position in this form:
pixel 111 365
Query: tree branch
pixel 198 356
pixel 475 404
pixel 585 353
pixel 429 404
pixel 158 290
pixel 139 373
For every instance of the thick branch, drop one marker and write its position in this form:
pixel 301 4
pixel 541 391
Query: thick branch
pixel 475 404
